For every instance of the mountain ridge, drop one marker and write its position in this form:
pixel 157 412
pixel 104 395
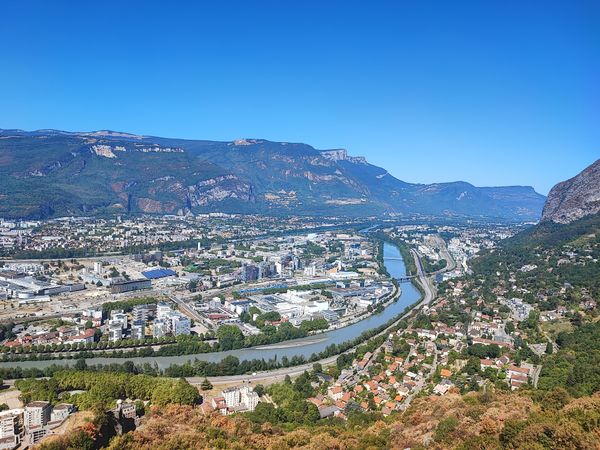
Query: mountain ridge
pixel 574 198
pixel 47 173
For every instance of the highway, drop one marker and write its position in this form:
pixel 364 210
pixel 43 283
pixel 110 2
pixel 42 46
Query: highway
pixel 450 263
pixel 423 280
pixel 271 376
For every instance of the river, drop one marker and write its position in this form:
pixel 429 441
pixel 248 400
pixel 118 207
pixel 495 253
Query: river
pixel 305 346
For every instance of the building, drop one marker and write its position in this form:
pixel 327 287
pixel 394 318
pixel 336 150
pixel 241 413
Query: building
pixel 162 310
pixel 335 392
pixel 141 312
pixel 238 399
pixel 231 396
pixel 119 316
pixel 127 409
pixel 85 337
pixel 249 398
pixel 60 412
pixel 115 331
pixel 98 268
pixel 138 329
pixel 9 429
pixel 180 324
pixel 36 435
pixel 155 274
pixel 160 328
pixel 128 286
pixel 37 414
pixel 249 272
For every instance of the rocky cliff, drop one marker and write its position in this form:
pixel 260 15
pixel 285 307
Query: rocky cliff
pixel 575 198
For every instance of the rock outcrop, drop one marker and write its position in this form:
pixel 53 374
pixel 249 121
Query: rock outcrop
pixel 575 198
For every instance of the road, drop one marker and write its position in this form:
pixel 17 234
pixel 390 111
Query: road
pixel 272 375
pixel 186 308
pixel 423 280
pixel 450 263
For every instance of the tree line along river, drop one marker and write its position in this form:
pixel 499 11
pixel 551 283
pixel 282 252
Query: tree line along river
pixel 297 347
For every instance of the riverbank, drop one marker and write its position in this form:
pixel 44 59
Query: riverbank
pixel 297 351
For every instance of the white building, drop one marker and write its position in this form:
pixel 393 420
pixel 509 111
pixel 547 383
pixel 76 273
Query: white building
pixel 37 414
pixel 160 328
pixel 138 329
pixel 241 398
pixel 119 316
pixel 180 324
pixel 162 310
pixel 9 431
pixel 61 412
pixel 115 331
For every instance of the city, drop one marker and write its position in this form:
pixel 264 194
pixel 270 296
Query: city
pixel 261 225
pixel 231 290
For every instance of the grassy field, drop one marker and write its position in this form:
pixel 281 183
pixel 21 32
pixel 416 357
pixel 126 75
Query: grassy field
pixel 557 326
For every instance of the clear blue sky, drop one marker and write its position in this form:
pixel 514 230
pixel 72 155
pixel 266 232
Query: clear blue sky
pixel 490 92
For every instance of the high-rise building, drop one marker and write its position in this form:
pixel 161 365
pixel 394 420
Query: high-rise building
pixel 162 310
pixel 37 414
pixel 120 317
pixel 115 331
pixel 249 272
pixel 180 324
pixel 138 329
pixel 9 422
pixel 240 398
pixel 141 312
pixel 249 398
pixel 160 328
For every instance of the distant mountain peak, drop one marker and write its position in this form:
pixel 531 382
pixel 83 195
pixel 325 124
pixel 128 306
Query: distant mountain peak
pixel 244 141
pixel 110 133
pixel 341 154
pixel 574 198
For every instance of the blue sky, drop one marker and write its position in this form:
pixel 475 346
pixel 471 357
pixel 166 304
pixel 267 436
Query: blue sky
pixel 490 92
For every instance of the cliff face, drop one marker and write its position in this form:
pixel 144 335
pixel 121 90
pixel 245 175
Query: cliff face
pixel 575 198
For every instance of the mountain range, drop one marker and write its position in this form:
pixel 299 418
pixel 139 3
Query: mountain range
pixel 47 173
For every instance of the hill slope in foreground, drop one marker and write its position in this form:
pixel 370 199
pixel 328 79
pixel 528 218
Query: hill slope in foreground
pixel 48 173
pixel 473 421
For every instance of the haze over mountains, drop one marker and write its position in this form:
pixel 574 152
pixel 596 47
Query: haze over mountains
pixel 49 173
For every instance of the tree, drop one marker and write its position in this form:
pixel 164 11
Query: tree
pixel 510 327
pixel 444 428
pixel 80 364
pixel 206 385
pixel 140 408
pixel 549 348
pixel 259 389
pixel 230 337
pixel 473 366
pixel 556 399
